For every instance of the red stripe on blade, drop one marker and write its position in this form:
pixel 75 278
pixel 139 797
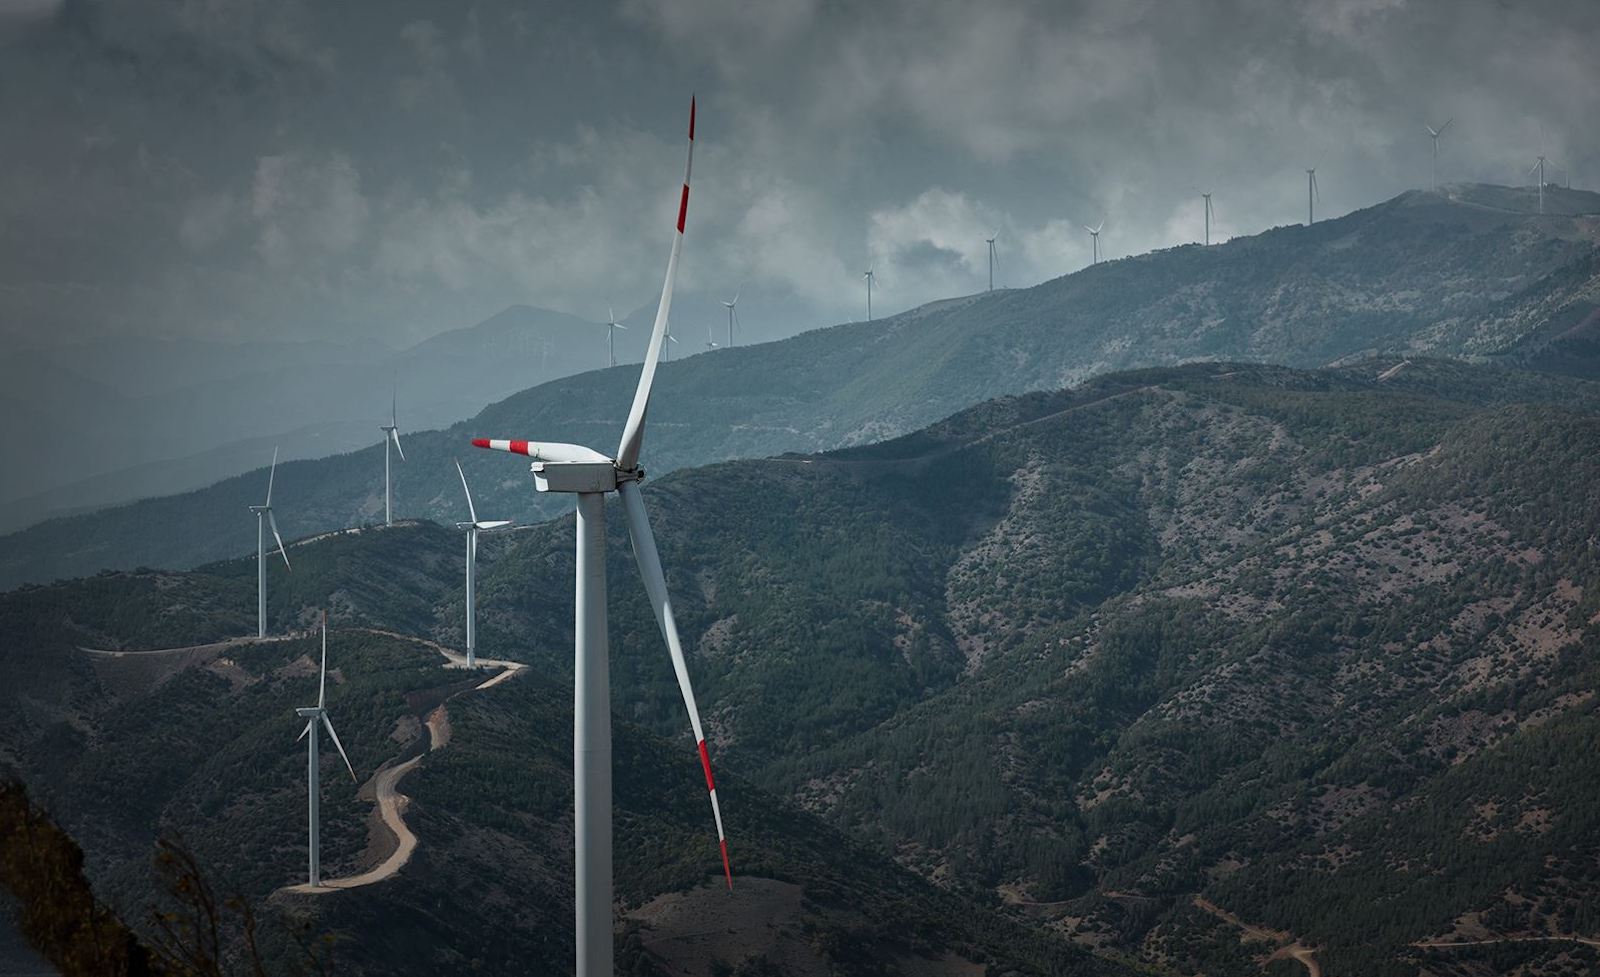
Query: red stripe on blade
pixel 726 870
pixel 705 763
pixel 520 447
pixel 480 442
pixel 683 207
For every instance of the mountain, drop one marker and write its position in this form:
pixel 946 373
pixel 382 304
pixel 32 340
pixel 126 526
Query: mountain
pixel 1456 275
pixel 1145 667
pixel 126 743
pixel 107 422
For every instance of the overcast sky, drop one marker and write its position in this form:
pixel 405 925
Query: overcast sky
pixel 388 169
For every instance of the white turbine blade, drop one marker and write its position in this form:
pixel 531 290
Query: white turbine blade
pixel 473 513
pixel 272 474
pixel 633 432
pixel 394 432
pixel 285 553
pixel 322 680
pixel 309 723
pixel 543 450
pixel 492 524
pixel 1432 131
pixel 671 337
pixel 347 766
pixel 655 584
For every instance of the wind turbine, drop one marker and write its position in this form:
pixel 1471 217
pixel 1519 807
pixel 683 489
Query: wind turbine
pixel 612 325
pixel 473 528
pixel 711 341
pixel 590 475
pixel 391 433
pixel 1094 240
pixel 263 520
pixel 1312 194
pixel 992 257
pixel 1434 134
pixel 869 276
pixel 733 313
pixel 311 714
pixel 665 350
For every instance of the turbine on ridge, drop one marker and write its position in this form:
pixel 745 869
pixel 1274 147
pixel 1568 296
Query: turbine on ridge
pixel 612 325
pixel 993 258
pixel 1434 134
pixel 591 475
pixel 473 528
pixel 264 519
pixel 391 435
pixel 733 313
pixel 1094 241
pixel 312 715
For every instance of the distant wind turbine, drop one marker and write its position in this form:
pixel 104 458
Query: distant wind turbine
pixel 993 258
pixel 1207 198
pixel 666 348
pixel 391 434
pixel 1434 134
pixel 1312 195
pixel 733 313
pixel 612 325
pixel 264 519
pixel 473 528
pixel 711 341
pixel 311 714
pixel 590 475
pixel 868 275
pixel 1094 241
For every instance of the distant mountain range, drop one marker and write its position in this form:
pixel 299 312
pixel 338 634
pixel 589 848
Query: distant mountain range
pixel 111 421
pixel 1468 273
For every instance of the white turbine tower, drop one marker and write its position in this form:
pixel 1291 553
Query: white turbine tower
pixel 992 257
pixel 733 313
pixel 264 520
pixel 391 435
pixel 473 528
pixel 869 276
pixel 1434 134
pixel 312 714
pixel 590 475
pixel 711 341
pixel 1207 198
pixel 1312 195
pixel 1094 241
pixel 612 325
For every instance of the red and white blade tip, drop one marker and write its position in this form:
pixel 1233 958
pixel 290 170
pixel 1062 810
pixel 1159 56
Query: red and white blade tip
pixel 716 810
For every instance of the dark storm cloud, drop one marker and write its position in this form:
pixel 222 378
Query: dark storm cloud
pixel 261 168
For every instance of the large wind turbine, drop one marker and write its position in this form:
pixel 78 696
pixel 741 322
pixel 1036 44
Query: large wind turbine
pixel 733 313
pixel 1207 198
pixel 711 341
pixel 391 433
pixel 869 276
pixel 1312 195
pixel 311 714
pixel 1094 241
pixel 264 519
pixel 473 528
pixel 590 475
pixel 1539 164
pixel 990 241
pixel 1434 134
pixel 612 325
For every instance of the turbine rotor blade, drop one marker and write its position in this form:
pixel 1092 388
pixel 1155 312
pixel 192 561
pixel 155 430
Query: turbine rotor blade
pixel 543 450
pixel 492 524
pixel 322 680
pixel 655 584
pixel 309 723
pixel 328 723
pixel 633 431
pixel 272 473
pixel 473 513
pixel 273 522
pixel 394 432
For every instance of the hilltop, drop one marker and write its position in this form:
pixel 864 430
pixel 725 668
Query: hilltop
pixel 1420 274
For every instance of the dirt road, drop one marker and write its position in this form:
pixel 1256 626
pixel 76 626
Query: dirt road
pixel 1288 948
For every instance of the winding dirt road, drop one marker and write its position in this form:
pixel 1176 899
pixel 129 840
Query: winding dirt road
pixel 391 803
pixel 1288 948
